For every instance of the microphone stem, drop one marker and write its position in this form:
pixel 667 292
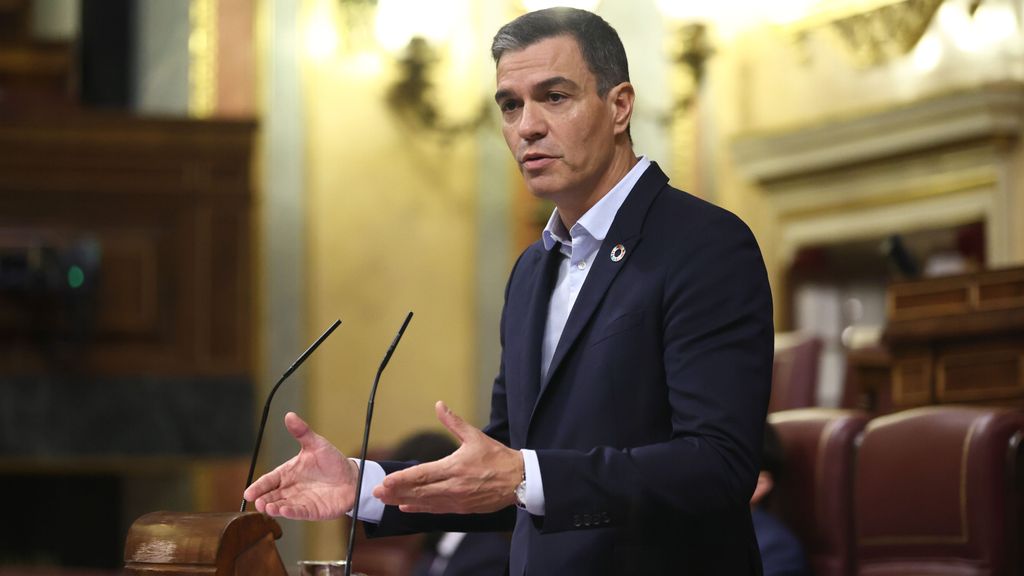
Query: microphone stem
pixel 259 439
pixel 266 406
pixel 366 439
pixel 359 480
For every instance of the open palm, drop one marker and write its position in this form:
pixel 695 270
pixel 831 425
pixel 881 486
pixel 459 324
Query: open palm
pixel 317 484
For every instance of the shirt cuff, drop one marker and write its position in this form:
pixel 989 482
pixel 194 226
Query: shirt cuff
pixel 371 509
pixel 534 483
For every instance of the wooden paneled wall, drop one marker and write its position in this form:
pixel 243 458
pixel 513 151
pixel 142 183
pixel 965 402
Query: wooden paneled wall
pixel 167 206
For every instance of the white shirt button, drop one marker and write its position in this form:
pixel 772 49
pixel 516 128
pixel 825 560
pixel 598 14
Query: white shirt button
pixel 581 265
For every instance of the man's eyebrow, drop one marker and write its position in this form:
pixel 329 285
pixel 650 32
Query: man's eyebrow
pixel 541 86
pixel 555 81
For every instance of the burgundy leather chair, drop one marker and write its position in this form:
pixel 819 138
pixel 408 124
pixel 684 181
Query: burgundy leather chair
pixel 814 494
pixel 936 493
pixel 795 372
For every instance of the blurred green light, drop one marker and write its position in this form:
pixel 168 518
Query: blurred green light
pixel 76 277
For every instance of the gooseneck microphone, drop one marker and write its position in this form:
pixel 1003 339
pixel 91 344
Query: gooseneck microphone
pixel 366 438
pixel 266 407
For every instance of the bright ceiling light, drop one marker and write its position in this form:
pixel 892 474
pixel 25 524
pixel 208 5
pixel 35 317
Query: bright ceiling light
pixel 399 21
pixel 321 38
pixel 995 22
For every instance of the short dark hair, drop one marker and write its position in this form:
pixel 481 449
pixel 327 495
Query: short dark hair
pixel 599 43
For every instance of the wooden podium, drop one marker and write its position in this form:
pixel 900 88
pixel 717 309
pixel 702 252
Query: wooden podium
pixel 220 544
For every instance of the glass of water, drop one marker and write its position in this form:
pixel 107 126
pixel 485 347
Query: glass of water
pixel 324 568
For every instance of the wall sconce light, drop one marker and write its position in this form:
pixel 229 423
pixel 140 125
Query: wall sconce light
pixel 411 96
pixel 691 44
pixel 416 30
pixel 694 51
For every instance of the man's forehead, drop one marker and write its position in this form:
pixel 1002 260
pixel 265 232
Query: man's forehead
pixel 558 57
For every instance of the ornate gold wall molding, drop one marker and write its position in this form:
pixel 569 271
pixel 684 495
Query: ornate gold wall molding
pixel 202 55
pixel 989 113
pixel 936 163
pixel 875 37
pixel 871 32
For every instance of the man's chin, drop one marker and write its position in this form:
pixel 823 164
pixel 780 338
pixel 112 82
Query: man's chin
pixel 542 187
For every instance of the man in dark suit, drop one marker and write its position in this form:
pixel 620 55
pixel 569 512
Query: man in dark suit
pixel 627 413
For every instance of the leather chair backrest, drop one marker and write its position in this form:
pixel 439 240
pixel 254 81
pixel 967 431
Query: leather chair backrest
pixel 934 492
pixel 795 372
pixel 814 494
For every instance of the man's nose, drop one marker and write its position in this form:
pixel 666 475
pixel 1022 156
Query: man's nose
pixel 532 123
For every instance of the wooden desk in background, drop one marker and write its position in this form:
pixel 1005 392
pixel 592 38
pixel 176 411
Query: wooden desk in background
pixel 950 340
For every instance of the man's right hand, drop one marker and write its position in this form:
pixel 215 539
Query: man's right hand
pixel 319 483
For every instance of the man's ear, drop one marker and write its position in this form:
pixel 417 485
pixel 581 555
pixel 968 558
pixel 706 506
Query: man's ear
pixel 620 99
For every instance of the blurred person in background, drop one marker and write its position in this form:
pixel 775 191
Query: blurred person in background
pixel 781 551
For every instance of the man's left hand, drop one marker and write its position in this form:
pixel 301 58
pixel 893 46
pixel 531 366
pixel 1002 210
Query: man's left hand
pixel 479 477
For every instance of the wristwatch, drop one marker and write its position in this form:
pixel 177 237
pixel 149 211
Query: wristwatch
pixel 521 493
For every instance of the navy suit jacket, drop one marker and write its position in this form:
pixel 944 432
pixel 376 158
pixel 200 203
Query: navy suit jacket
pixel 648 425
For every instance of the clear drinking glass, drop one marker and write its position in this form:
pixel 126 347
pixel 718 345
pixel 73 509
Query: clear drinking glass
pixel 324 568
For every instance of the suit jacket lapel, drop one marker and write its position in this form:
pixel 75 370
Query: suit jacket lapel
pixel 625 230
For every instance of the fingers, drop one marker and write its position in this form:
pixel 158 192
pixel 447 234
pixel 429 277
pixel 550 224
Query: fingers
pixel 291 504
pixel 408 481
pixel 437 497
pixel 288 511
pixel 298 428
pixel 478 478
pixel 264 500
pixel 418 484
pixel 453 422
pixel 261 486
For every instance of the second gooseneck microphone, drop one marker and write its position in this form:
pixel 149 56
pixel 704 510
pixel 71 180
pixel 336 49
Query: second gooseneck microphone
pixel 366 438
pixel 266 407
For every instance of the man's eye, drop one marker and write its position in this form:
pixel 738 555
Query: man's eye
pixel 508 105
pixel 556 97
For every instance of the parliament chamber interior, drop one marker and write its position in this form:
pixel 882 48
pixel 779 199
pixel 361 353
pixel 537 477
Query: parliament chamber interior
pixel 191 191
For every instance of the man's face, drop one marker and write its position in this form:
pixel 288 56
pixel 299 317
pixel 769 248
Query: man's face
pixel 560 131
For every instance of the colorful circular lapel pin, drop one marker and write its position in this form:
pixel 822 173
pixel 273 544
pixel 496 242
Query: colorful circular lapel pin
pixel 618 252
